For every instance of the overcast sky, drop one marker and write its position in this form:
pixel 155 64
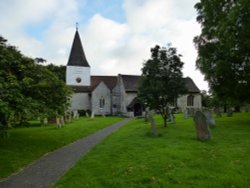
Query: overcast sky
pixel 116 34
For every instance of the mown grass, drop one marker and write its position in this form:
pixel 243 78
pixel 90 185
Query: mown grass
pixel 132 158
pixel 24 145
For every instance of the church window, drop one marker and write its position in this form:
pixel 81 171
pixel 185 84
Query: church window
pixel 102 102
pixel 190 100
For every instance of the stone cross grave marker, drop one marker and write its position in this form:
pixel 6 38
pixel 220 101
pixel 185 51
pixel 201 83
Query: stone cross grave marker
pixel 202 128
pixel 210 118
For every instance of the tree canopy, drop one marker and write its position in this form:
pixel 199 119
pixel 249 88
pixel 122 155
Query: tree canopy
pixel 28 89
pixel 224 47
pixel 162 80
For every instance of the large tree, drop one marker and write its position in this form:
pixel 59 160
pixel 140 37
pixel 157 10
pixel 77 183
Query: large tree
pixel 162 80
pixel 224 47
pixel 27 89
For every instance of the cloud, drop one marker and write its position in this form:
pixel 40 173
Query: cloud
pixel 111 47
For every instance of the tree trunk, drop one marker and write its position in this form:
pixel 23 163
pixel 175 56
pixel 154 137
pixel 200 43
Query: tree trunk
pixel 165 121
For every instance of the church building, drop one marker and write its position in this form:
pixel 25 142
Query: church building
pixel 112 95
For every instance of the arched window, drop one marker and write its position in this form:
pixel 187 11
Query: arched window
pixel 190 100
pixel 102 102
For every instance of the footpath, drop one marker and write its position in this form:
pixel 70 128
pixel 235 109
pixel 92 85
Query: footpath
pixel 47 170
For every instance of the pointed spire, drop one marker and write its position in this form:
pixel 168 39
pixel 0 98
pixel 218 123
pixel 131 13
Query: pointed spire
pixel 77 55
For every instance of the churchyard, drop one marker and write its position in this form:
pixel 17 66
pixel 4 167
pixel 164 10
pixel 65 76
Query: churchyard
pixel 133 158
pixel 26 144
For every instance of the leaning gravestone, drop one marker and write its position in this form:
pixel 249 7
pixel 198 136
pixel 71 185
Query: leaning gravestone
pixel 210 118
pixel 87 114
pixel 202 128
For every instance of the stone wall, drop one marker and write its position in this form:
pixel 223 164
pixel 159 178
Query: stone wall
pixel 101 91
pixel 182 102
pixel 80 101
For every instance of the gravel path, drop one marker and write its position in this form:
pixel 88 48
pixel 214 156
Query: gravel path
pixel 49 168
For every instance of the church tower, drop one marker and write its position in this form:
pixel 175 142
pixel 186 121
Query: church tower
pixel 78 69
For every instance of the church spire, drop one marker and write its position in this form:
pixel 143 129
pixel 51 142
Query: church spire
pixel 77 55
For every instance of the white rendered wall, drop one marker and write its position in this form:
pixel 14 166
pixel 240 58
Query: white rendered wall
pixel 74 72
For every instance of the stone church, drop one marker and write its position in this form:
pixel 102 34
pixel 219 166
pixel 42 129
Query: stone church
pixel 112 95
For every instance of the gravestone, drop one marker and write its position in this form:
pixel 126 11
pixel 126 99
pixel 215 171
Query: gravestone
pixel 58 123
pixel 229 112
pixel 202 128
pixel 172 118
pixel 75 114
pixel 186 114
pixel 87 114
pixel 45 121
pixel 152 123
pixel 62 121
pixel 92 114
pixel 191 112
pixel 210 118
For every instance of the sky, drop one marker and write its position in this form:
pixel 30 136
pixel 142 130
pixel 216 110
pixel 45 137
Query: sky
pixel 116 35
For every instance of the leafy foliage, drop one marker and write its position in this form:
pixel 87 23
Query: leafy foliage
pixel 162 81
pixel 224 47
pixel 27 89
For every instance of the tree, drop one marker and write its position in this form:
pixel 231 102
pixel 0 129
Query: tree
pixel 162 80
pixel 224 47
pixel 28 89
pixel 59 71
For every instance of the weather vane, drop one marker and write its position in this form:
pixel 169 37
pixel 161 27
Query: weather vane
pixel 77 26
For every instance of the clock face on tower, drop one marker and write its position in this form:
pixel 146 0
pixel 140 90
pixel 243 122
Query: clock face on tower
pixel 78 80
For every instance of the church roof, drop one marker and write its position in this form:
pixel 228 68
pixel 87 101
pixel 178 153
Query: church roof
pixel 109 81
pixel 77 55
pixel 190 85
pixel 131 82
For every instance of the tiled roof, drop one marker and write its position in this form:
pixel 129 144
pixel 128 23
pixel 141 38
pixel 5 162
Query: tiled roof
pixel 77 56
pixel 110 81
pixel 190 85
pixel 80 89
pixel 131 82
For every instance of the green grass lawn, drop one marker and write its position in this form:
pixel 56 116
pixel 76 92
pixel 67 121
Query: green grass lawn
pixel 132 158
pixel 25 145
